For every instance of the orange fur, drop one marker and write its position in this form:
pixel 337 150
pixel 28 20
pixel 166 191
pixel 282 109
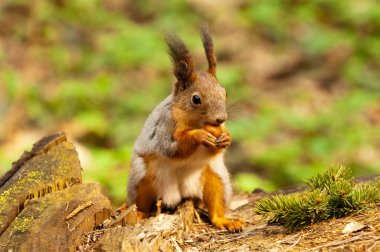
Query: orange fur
pixel 213 198
pixel 146 197
pixel 188 141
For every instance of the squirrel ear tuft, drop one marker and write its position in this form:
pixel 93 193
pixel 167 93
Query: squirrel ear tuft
pixel 182 60
pixel 208 45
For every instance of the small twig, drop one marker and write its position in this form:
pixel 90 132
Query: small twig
pixel 158 207
pixel 373 246
pixel 294 244
pixel 128 216
pixel 176 246
pixel 78 209
pixel 337 243
pixel 88 239
pixel 197 216
pixel 95 232
pixel 122 208
pixel 207 244
pixel 218 231
pixel 68 227
pixel 287 240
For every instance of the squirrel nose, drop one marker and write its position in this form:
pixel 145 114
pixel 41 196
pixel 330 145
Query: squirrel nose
pixel 221 119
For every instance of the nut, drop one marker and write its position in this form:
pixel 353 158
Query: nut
pixel 216 131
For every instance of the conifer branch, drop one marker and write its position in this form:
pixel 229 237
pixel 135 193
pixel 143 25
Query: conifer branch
pixel 331 194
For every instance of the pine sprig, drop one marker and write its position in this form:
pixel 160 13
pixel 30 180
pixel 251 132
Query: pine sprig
pixel 334 173
pixel 367 194
pixel 294 211
pixel 340 199
pixel 331 194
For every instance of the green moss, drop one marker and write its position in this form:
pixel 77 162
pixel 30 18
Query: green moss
pixel 5 200
pixel 9 196
pixel 33 175
pixel 22 224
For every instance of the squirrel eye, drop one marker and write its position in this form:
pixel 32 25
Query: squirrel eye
pixel 196 100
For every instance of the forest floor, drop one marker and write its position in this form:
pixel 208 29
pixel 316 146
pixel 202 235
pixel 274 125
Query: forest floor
pixel 165 233
pixel 43 196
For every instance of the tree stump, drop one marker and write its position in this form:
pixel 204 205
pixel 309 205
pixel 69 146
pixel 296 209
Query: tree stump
pixel 38 194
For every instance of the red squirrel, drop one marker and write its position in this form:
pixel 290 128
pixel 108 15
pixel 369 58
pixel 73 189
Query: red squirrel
pixel 179 153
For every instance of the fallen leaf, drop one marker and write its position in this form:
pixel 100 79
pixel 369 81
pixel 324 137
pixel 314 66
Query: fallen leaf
pixel 352 227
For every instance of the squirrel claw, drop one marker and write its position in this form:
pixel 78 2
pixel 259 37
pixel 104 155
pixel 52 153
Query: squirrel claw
pixel 209 140
pixel 220 138
pixel 223 141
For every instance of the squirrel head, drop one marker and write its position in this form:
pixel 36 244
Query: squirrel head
pixel 198 97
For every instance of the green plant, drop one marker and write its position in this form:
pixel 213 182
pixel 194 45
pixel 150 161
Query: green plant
pixel 330 194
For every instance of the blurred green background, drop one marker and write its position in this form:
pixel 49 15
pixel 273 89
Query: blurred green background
pixel 302 77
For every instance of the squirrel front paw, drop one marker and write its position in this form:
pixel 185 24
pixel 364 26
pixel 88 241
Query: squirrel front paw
pixel 223 137
pixel 207 139
pixel 224 140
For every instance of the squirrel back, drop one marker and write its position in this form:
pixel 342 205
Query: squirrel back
pixel 156 134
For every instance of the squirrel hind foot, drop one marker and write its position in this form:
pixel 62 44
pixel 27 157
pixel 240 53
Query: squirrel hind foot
pixel 232 226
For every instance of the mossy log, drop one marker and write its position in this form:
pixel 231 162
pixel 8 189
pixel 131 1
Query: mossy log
pixel 52 165
pixel 57 221
pixel 38 194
